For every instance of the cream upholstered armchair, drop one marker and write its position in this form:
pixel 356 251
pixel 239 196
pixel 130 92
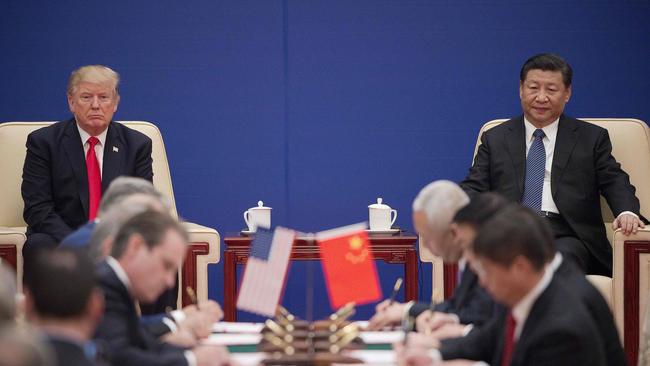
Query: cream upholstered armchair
pixel 626 291
pixel 204 245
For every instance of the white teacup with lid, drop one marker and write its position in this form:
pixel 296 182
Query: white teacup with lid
pixel 381 216
pixel 259 216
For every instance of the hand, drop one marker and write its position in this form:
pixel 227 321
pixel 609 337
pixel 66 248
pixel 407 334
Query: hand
pixel 190 309
pixel 423 322
pixel 383 306
pixel 628 223
pixel 181 338
pixel 210 355
pixel 428 322
pixel 449 331
pixel 411 356
pixel 199 324
pixel 386 315
pixel 419 340
pixel 212 309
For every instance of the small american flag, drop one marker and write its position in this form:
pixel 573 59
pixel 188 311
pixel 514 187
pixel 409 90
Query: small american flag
pixel 266 270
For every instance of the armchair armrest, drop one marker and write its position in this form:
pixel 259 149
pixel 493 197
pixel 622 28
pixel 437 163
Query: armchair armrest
pixel 204 248
pixel 12 240
pixel 631 282
pixel 437 272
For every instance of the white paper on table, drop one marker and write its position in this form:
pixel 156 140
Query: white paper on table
pixel 248 359
pixel 378 357
pixel 233 327
pixel 227 339
pixel 384 337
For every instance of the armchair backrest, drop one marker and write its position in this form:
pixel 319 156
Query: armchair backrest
pixel 631 148
pixel 13 136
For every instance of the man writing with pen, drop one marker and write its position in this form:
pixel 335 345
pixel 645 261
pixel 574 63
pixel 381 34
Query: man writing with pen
pixel 433 211
pixel 144 259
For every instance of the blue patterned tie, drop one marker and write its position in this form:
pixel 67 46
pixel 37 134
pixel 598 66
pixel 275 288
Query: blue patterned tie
pixel 535 167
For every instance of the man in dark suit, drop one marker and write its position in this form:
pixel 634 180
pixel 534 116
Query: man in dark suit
pixel 63 301
pixel 566 272
pixel 465 226
pixel 597 308
pixel 541 322
pixel 557 165
pixel 70 163
pixel 147 252
pixel 118 191
pixel 433 210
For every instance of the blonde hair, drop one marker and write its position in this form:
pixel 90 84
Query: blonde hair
pixel 96 74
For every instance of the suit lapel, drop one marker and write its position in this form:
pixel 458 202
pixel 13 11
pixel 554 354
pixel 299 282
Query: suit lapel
pixel 467 282
pixel 516 143
pixel 75 152
pixel 564 143
pixel 114 152
pixel 533 322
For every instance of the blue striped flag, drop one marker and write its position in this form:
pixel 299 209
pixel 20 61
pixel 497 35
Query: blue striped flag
pixel 266 270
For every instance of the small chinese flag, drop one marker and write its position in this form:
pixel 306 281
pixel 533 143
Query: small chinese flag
pixel 349 266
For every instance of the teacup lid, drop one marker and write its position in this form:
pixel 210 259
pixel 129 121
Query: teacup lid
pixel 379 205
pixel 260 206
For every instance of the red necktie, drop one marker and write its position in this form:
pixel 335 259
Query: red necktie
pixel 509 344
pixel 94 179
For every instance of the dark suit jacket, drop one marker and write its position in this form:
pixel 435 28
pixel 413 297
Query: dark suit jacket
pixel 558 332
pixel 573 280
pixel 55 181
pixel 80 238
pixel 470 301
pixel 583 169
pixel 127 342
pixel 68 353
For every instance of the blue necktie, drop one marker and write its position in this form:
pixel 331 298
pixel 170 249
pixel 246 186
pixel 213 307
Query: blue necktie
pixel 535 167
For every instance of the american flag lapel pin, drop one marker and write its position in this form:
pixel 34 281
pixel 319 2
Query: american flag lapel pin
pixel 115 149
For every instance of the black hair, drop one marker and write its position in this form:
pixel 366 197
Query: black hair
pixel 547 62
pixel 515 231
pixel 60 281
pixel 480 209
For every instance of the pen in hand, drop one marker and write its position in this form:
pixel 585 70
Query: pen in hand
pixel 192 295
pixel 396 287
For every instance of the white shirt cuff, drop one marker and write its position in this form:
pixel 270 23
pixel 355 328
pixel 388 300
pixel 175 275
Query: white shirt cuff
pixel 177 315
pixel 191 358
pixel 468 328
pixel 170 324
pixel 407 309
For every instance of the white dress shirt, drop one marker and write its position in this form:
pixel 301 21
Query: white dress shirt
pixel 99 148
pixel 549 145
pixel 119 272
pixel 548 204
pixel 521 310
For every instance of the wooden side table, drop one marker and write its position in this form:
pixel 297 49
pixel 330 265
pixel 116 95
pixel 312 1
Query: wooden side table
pixel 394 249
